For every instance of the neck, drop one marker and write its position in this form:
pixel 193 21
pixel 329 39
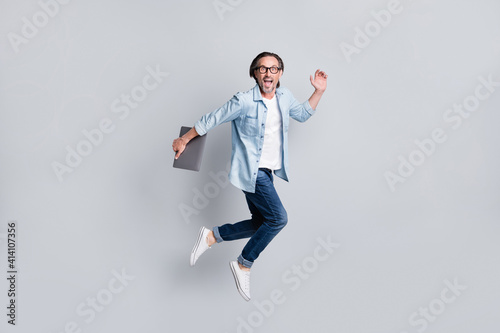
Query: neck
pixel 268 95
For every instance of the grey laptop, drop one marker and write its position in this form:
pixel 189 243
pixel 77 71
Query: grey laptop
pixel 190 159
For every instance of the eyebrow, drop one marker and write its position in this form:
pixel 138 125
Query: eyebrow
pixel 260 65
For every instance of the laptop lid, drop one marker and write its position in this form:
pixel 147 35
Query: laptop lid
pixel 191 157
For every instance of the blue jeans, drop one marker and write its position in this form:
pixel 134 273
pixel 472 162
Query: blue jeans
pixel 268 218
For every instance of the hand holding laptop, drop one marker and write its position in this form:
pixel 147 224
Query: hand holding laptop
pixel 179 145
pixel 191 146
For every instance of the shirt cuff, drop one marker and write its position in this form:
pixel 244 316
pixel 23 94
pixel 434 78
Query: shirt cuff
pixel 308 108
pixel 200 128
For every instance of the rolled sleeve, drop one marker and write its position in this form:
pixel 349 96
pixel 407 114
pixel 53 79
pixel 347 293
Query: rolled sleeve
pixel 301 112
pixel 309 108
pixel 200 128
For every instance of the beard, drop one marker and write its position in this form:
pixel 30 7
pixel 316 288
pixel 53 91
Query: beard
pixel 267 89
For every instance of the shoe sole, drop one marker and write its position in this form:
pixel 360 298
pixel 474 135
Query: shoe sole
pixel 233 270
pixel 196 245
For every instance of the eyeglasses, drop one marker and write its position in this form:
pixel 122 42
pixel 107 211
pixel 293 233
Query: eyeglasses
pixel 263 69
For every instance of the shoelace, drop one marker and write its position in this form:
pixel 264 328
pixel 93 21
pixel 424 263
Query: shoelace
pixel 247 281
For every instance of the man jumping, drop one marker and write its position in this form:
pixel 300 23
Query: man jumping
pixel 259 123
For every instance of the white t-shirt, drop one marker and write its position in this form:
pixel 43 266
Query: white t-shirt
pixel 271 157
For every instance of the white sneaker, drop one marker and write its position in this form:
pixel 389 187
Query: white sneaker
pixel 200 246
pixel 242 279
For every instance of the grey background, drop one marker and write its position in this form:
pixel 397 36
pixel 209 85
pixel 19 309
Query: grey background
pixel 120 208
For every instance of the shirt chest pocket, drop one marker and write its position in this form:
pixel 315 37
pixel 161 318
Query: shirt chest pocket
pixel 249 125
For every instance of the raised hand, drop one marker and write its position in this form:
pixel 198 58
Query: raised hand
pixel 319 81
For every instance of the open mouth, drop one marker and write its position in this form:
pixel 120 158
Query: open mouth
pixel 268 83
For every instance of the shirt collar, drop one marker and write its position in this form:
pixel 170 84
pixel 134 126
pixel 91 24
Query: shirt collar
pixel 257 96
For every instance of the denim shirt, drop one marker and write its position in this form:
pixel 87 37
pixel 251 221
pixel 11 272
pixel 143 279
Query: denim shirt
pixel 247 113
